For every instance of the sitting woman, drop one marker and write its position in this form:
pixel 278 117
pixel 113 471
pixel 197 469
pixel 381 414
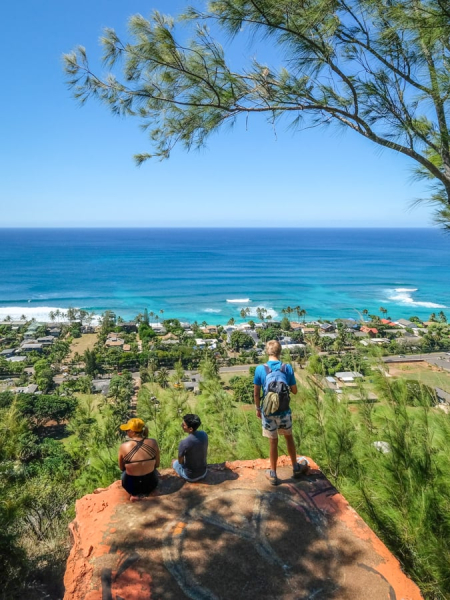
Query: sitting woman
pixel 138 459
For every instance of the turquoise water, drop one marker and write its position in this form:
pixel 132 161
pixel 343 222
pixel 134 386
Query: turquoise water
pixel 191 273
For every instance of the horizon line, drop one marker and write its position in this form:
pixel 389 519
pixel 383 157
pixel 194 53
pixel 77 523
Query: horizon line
pixel 10 227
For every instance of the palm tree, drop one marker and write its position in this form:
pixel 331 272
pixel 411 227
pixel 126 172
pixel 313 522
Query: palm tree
pixel 231 321
pixel 382 310
pixel 24 318
pixel 163 377
pixel 245 312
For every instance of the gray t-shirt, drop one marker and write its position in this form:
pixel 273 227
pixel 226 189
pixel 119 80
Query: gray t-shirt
pixel 194 448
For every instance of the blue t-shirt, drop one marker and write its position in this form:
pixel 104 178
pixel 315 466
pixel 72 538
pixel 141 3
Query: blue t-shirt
pixel 275 365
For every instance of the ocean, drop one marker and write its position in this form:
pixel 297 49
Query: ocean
pixel 211 274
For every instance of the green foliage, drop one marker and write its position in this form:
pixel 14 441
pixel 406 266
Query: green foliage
pixel 6 399
pixel 242 389
pixel 163 411
pixel 91 363
pixel 403 494
pixel 146 333
pixel 285 324
pixel 43 375
pixel 373 67
pixel 239 340
pixel 42 408
pixel 329 365
pixel 268 334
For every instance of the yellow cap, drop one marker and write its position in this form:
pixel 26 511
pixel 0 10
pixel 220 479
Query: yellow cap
pixel 133 425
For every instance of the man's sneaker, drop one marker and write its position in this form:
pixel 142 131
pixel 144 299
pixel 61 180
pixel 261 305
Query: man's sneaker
pixel 301 467
pixel 272 477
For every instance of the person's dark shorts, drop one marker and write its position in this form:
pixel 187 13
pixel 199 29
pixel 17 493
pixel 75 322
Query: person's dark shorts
pixel 139 485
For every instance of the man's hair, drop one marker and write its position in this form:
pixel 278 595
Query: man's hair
pixel 273 348
pixel 192 421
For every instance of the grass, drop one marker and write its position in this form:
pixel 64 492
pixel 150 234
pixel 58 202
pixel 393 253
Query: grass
pixel 86 342
pixel 424 373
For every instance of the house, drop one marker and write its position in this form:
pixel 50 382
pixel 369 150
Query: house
pixel 295 326
pixel 191 386
pixel 32 347
pixel 128 326
pixel 170 336
pixel 7 352
pixel 332 336
pixel 379 341
pixel 29 389
pixel 56 331
pixel 209 329
pixel 185 325
pixel 326 327
pixel 308 330
pixel 347 376
pixel 404 323
pixel 114 342
pixel 359 334
pixel 387 322
pixel 101 386
pixel 16 359
pixel 126 348
pixel 46 340
pixel 351 323
pixel 293 346
pixel 84 329
pixel 212 344
pixel 371 331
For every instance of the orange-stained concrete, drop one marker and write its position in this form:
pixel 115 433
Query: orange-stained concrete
pixel 184 539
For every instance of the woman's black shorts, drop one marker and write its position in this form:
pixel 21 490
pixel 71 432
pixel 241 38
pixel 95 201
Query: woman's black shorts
pixel 139 485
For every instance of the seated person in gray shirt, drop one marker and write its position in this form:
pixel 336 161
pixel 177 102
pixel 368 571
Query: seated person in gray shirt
pixel 191 464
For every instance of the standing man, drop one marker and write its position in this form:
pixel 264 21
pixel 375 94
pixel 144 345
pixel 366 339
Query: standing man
pixel 280 421
pixel 192 451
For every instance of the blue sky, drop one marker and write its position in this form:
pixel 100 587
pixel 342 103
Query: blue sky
pixel 63 165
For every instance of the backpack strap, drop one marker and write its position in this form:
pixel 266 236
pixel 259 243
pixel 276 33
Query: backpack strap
pixel 267 369
pixel 283 368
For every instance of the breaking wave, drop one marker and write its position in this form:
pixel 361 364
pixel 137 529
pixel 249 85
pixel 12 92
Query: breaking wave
pixel 403 296
pixel 238 300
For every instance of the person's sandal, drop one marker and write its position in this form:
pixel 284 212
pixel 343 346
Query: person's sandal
pixel 272 477
pixel 301 467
